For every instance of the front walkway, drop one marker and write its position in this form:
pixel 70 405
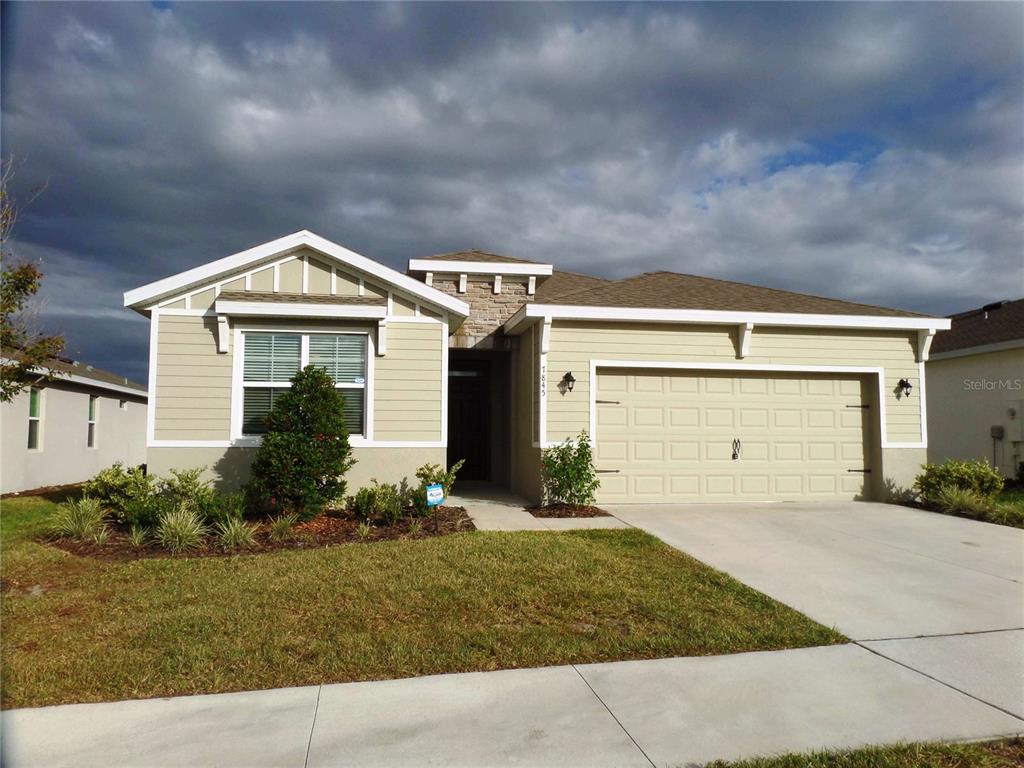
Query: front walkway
pixel 494 509
pixel 678 711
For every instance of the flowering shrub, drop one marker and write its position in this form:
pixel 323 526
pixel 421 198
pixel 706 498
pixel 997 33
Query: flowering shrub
pixel 300 465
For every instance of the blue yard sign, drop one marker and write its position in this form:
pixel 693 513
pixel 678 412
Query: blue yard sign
pixel 435 495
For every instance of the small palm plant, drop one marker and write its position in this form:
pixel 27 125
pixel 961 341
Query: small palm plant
pixel 235 533
pixel 180 530
pixel 81 519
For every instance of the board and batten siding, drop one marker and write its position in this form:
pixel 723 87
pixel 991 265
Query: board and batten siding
pixel 193 380
pixel 575 344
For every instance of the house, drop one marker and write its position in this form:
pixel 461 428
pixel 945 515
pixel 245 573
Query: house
pixel 692 388
pixel 65 428
pixel 976 387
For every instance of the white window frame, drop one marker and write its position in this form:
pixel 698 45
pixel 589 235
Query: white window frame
pixel 93 421
pixel 38 419
pixel 238 384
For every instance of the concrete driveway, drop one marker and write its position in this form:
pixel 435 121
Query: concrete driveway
pixel 940 595
pixel 874 571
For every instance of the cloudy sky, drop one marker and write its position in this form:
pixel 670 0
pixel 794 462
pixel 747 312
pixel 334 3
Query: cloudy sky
pixel 873 152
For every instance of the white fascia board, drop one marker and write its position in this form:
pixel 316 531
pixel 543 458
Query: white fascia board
pixel 289 309
pixel 479 267
pixel 983 349
pixel 530 312
pixel 208 272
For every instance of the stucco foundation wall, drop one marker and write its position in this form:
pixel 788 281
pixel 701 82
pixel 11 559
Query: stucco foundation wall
pixel 899 468
pixel 65 457
pixel 969 395
pixel 229 467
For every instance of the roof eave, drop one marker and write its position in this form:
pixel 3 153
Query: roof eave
pixel 454 266
pixel 530 313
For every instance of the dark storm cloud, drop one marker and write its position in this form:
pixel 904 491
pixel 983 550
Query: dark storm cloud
pixel 869 151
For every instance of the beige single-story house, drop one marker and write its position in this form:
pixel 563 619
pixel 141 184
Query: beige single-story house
pixel 692 389
pixel 976 387
pixel 68 425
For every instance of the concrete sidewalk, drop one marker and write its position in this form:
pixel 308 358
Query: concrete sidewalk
pixel 677 711
pixel 494 509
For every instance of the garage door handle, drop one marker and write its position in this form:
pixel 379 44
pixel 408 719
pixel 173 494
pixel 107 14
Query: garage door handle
pixel 862 471
pixel 608 402
pixel 608 471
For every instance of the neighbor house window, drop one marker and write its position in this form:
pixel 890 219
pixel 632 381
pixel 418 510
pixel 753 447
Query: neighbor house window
pixel 271 359
pixel 35 418
pixel 93 404
pixel 122 404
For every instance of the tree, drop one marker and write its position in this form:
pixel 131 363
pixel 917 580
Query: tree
pixel 301 463
pixel 25 352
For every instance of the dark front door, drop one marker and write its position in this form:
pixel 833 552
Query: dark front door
pixel 469 418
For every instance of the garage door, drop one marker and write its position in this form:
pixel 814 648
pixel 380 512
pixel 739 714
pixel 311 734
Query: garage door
pixel 707 436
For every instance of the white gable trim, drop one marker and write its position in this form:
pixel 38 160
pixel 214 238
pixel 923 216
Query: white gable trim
pixel 437 266
pixel 533 312
pixel 159 289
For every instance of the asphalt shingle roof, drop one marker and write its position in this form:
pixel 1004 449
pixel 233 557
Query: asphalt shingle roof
pixel 991 324
pixel 671 290
pixel 474 255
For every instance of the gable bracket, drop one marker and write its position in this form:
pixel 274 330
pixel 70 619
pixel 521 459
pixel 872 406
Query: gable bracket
pixel 223 335
pixel 924 343
pixel 746 330
pixel 382 338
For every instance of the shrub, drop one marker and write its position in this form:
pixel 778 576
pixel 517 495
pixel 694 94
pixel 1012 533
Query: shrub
pixel 235 533
pixel 223 508
pixel 1005 513
pixel 185 488
pixel 415 527
pixel 180 530
pixel 138 536
pixel 568 472
pixel 379 501
pixel 431 474
pixel 281 527
pixel 363 530
pixel 299 467
pixel 80 519
pixel 418 500
pixel 978 476
pixel 130 494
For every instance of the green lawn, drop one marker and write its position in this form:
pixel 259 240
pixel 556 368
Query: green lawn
pixel 999 754
pixel 77 629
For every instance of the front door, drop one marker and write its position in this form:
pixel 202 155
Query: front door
pixel 469 418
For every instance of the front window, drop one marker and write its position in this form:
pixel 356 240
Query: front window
pixel 91 437
pixel 271 359
pixel 35 418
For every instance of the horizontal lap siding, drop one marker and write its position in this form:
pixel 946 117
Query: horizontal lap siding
pixel 407 383
pixel 574 345
pixel 193 381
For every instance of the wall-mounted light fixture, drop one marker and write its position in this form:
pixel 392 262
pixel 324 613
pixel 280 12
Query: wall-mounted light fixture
pixel 905 386
pixel 569 380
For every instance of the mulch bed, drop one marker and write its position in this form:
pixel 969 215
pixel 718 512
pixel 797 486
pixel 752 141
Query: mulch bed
pixel 567 510
pixel 325 531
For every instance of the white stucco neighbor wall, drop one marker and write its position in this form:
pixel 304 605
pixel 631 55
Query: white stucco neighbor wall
pixel 970 394
pixel 64 456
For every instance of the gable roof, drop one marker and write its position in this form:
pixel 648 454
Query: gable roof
pixel 143 297
pixel 261 297
pixel 671 290
pixel 997 323
pixel 476 255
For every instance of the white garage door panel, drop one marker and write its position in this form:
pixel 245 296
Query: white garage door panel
pixel 669 436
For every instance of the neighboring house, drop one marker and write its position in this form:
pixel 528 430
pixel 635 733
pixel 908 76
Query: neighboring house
pixel 693 389
pixel 976 387
pixel 66 428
